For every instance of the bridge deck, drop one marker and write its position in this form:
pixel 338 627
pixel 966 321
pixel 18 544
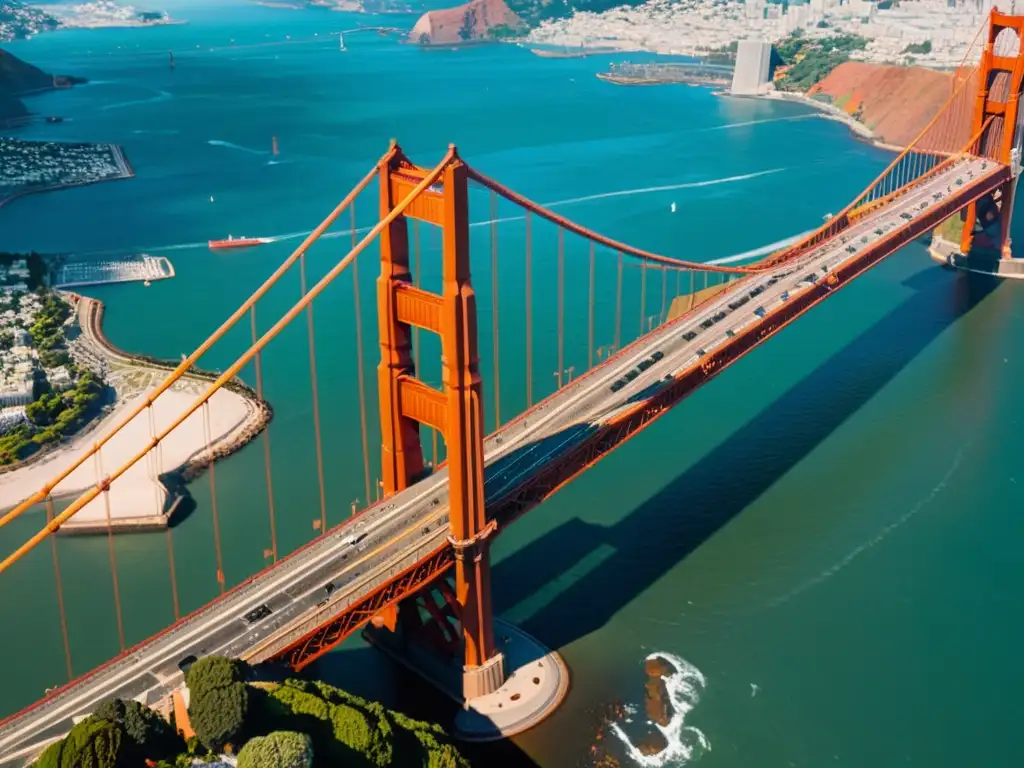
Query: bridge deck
pixel 409 528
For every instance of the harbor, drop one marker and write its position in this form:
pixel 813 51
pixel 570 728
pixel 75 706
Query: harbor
pixel 143 268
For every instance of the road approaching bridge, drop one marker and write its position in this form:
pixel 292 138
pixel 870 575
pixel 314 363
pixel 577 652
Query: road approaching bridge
pixel 271 613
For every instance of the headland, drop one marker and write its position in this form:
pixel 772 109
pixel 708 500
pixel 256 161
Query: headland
pixel 31 167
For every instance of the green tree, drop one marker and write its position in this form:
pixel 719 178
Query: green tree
pixel 93 743
pixel 280 749
pixel 218 700
pixel 149 735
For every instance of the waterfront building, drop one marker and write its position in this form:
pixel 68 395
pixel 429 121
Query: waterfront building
pixel 752 74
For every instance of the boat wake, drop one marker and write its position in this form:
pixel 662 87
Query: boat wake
pixel 877 538
pixel 281 238
pixel 665 188
pixel 762 121
pixel 683 742
pixel 159 131
pixel 763 250
pixel 238 147
pixel 159 96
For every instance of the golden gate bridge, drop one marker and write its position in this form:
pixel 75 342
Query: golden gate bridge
pixel 414 568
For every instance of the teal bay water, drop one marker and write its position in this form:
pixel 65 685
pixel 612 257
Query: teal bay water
pixel 828 534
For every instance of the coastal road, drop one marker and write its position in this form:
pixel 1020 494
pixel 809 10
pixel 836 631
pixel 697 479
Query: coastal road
pixel 327 575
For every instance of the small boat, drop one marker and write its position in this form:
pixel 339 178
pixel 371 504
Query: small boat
pixel 673 208
pixel 238 242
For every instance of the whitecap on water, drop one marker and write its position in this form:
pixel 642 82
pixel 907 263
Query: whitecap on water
pixel 684 742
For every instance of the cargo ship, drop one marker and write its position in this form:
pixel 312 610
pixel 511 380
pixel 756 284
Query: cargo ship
pixel 239 242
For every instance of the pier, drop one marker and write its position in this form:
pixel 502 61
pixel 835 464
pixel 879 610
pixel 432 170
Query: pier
pixel 699 73
pixel 143 267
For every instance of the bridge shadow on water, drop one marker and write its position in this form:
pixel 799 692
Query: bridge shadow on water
pixel 705 496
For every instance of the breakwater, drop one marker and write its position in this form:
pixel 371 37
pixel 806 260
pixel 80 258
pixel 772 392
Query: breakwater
pixel 90 317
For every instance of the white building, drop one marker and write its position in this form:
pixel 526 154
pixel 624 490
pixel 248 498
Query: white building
pixel 752 75
pixel 17 391
pixel 11 417
pixel 59 378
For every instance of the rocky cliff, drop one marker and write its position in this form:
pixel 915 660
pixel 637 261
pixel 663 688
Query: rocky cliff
pixel 896 103
pixel 476 20
pixel 18 78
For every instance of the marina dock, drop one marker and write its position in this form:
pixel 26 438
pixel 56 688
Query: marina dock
pixel 141 267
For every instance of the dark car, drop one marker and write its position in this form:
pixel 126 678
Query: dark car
pixel 760 312
pixel 657 356
pixel 187 662
pixel 618 385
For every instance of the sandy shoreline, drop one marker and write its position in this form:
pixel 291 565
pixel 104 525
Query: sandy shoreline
pixel 140 498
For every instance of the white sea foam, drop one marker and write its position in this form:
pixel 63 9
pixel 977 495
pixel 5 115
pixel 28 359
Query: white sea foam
pixel 685 742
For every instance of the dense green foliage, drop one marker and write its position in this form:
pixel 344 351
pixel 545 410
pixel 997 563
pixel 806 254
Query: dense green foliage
pixel 297 724
pixel 813 60
pixel 93 743
pixel 503 32
pixel 147 735
pixel 350 731
pixel 925 47
pixel 219 700
pixel 280 749
pixel 52 417
pixel 535 11
pixel 119 734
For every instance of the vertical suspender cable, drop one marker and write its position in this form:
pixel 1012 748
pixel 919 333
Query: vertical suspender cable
pixel 561 302
pixel 643 294
pixel 60 592
pixel 618 305
pixel 529 313
pixel 416 282
pixel 316 398
pixel 494 301
pixel 590 313
pixel 359 356
pixel 266 438
pixel 158 470
pixel 110 548
pixel 664 292
pixel 213 496
pixel 679 277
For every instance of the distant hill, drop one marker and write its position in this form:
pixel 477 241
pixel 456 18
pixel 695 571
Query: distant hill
pixel 896 103
pixel 19 78
pixel 494 19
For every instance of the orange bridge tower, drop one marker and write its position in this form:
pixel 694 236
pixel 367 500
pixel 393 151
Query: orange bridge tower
pixel 985 240
pixel 455 411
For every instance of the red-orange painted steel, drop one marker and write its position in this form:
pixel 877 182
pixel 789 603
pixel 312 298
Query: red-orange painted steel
pixel 995 117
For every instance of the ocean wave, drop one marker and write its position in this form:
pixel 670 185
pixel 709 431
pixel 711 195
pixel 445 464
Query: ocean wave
pixel 684 742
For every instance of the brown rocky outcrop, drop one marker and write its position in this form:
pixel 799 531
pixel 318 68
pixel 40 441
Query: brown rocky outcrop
pixel 895 103
pixel 464 23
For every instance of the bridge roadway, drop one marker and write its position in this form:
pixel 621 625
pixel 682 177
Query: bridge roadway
pixel 395 534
